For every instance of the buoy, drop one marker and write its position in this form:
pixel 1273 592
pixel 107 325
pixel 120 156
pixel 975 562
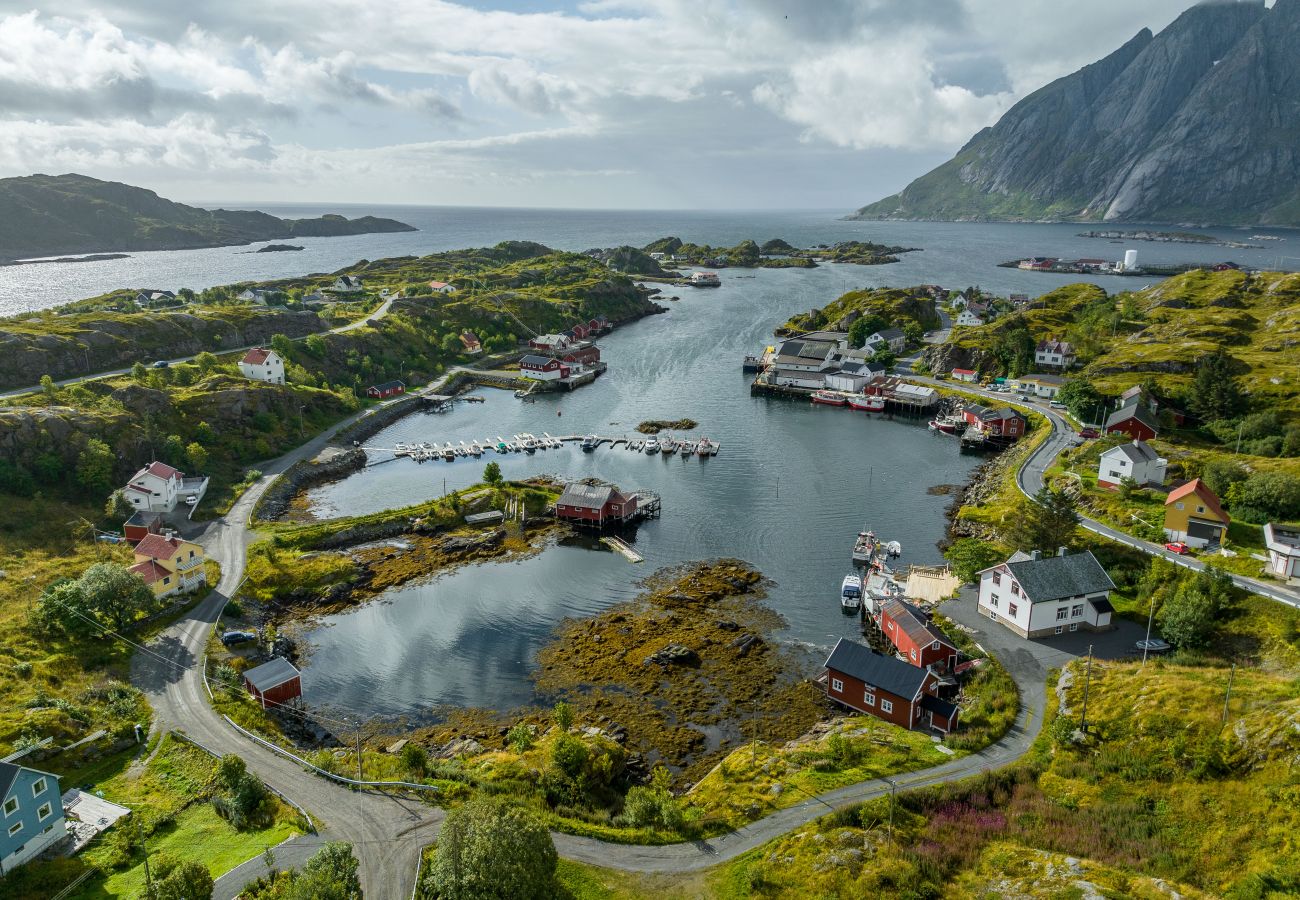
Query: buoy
pixel 558 413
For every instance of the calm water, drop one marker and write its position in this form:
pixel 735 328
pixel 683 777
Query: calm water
pixel 792 486
pixel 957 254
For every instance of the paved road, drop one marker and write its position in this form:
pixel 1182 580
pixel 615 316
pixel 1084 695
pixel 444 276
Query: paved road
pixel 377 314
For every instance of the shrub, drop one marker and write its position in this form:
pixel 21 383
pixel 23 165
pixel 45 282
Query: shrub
pixel 491 850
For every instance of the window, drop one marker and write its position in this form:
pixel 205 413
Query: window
pixel 993 600
pixel 886 706
pixel 1200 509
pixel 869 698
pixel 167 580
pixel 912 653
pixel 934 646
pixel 1074 626
pixel 837 684
pixel 1178 505
pixel 1076 610
pixel 1011 610
pixel 44 812
pixel 1114 474
pixel 11 806
pixel 1062 613
pixel 38 787
pixel 997 578
pixel 1058 630
pixel 1015 589
pixel 15 828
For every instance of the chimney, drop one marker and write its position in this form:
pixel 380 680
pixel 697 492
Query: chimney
pixel 1036 554
pixel 1062 551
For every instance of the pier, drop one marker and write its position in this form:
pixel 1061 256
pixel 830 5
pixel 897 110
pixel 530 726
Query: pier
pixel 621 546
pixel 428 451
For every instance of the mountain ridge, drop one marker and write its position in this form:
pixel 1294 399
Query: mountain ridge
pixel 1194 124
pixel 46 215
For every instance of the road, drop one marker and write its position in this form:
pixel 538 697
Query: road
pixel 379 313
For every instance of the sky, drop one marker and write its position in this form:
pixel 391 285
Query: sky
pixel 637 104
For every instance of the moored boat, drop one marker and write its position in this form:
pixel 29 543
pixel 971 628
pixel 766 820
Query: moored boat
pixel 948 424
pixel 867 403
pixel 864 548
pixel 589 443
pixel 830 398
pixel 651 447
pixel 851 594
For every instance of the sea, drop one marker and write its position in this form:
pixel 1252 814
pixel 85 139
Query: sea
pixel 791 488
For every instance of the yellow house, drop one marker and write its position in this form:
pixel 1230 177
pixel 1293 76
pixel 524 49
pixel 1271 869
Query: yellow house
pixel 1193 515
pixel 169 564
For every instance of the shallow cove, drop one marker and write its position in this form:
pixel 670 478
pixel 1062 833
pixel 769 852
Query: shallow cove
pixel 791 487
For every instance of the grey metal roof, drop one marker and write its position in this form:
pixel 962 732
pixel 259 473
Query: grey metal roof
pixel 533 359
pixel 1058 577
pixel 1136 451
pixel 271 674
pixel 806 349
pixel 890 334
pixel 1137 411
pixel 586 496
pixel 885 672
pixel 1042 378
pixel 8 774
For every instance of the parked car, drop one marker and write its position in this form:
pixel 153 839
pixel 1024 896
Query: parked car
pixel 161 364
pixel 1177 547
pixel 1089 433
pixel 230 638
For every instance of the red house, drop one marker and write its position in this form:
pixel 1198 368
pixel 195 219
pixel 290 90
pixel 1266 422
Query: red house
pixel 542 368
pixel 581 330
pixel 1136 420
pixel 141 525
pixel 913 636
pixel 596 505
pixel 594 326
pixel 1004 422
pixel 886 687
pixel 276 682
pixel 585 355
pixel 387 389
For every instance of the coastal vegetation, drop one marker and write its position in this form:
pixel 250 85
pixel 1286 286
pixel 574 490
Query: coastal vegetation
pixel 654 426
pixel 910 309
pixel 776 253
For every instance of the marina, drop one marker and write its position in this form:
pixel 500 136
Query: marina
pixel 428 451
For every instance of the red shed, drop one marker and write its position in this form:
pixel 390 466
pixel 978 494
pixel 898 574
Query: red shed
pixel 1004 422
pixel 585 355
pixel 387 389
pixel 1136 420
pixel 912 634
pixel 581 330
pixel 275 682
pixel 141 525
pixel 887 688
pixel 595 504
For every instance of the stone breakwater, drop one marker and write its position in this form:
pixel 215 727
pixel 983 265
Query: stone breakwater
pixel 330 464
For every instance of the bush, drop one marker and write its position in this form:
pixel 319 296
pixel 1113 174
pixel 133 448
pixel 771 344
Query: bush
pixel 520 737
pixel 492 850
pixel 242 799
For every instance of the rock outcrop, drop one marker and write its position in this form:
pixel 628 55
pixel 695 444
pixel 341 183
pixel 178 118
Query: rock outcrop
pixel 1189 125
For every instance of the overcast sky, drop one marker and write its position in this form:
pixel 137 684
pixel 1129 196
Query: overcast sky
pixel 607 103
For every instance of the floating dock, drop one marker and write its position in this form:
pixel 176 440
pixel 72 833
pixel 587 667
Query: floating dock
pixel 621 546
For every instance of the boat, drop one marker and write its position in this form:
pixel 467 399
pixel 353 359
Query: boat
pixel 706 447
pixel 401 449
pixel 448 453
pixel 894 549
pixel 864 548
pixel 527 442
pixel 668 446
pixel 651 447
pixel 704 279
pixel 867 403
pixel 830 398
pixel 948 425
pixel 589 443
pixel 851 594
pixel 687 449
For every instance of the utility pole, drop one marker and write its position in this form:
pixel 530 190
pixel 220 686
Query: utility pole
pixel 148 876
pixel 1087 682
pixel 1228 695
pixel 891 807
pixel 1151 614
pixel 359 778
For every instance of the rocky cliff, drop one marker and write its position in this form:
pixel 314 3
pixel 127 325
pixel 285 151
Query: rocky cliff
pixel 44 215
pixel 1195 124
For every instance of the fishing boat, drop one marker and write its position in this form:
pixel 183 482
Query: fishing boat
pixel 894 549
pixel 706 447
pixel 829 398
pixel 448 453
pixel 401 449
pixel 667 446
pixel 867 403
pixel 948 425
pixel 851 594
pixel 864 548
pixel 687 449
pixel 589 443
pixel 651 447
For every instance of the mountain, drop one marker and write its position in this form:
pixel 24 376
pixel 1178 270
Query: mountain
pixel 45 215
pixel 1199 123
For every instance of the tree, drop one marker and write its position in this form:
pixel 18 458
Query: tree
pixel 282 345
pixel 492 474
pixel 450 343
pixel 865 327
pixel 138 372
pixel 1221 474
pixel 173 449
pixel 885 358
pixel 1215 392
pixel 315 345
pixel 913 331
pixel 1046 522
pixel 176 880
pixel 95 465
pixel 1274 494
pixel 414 759
pixel 63 607
pixel 520 737
pixel 207 362
pixel 116 594
pixel 241 797
pixel 563 716
pixel 47 385
pixel 195 456
pixel 1187 618
pixel 1083 400
pixel 492 850
pixel 970 556
pixel 118 507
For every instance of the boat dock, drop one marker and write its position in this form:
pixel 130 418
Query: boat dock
pixel 426 451
pixel 621 546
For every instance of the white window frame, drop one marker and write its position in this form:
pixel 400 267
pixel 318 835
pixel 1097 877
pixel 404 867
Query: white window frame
pixel 39 786
pixel 1074 626
pixel 15 828
pixel 886 706
pixel 11 806
pixel 868 698
pixel 1076 611
pixel 45 811
pixel 1058 630
pixel 1062 613
pixel 837 684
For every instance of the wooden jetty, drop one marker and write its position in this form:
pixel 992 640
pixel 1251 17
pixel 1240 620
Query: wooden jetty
pixel 621 546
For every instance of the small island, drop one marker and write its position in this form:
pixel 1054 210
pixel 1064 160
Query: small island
pixel 654 426
pixel 278 248
pixel 1167 237
pixel 96 257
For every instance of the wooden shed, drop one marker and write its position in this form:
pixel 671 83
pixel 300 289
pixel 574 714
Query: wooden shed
pixel 275 682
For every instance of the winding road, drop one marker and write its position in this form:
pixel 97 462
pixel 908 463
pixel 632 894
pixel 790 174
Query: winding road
pixel 388 831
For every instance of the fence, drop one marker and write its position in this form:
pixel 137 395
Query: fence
pixel 311 826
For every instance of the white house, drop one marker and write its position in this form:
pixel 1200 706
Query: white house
pixel 969 319
pixel 543 368
pixel 1283 550
pixel 260 364
pixel 1039 385
pixel 1058 354
pixel 1036 596
pixel 442 287
pixel 892 337
pixel 255 295
pixel 158 488
pixel 1134 460
pixel 347 284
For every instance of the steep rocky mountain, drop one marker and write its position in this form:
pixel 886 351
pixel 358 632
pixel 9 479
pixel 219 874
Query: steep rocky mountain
pixel 1198 123
pixel 45 215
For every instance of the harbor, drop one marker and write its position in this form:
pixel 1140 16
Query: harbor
pixel 428 451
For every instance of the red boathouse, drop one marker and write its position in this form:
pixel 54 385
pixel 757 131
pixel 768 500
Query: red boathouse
pixel 275 682
pixel 886 687
pixel 595 505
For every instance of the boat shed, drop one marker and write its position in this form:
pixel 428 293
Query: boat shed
pixel 595 505
pixel 275 682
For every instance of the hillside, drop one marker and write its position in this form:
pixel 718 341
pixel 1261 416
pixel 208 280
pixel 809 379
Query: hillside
pixel 1193 124
pixel 44 215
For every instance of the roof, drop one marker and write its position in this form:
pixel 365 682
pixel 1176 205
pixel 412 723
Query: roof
pixel 1101 604
pixel 1005 412
pixel 158 470
pixel 533 359
pixel 257 356
pixel 9 774
pixel 1040 378
pixel 271 674
pixel 1052 346
pixel 891 334
pixel 389 384
pixel 833 336
pixel 1282 539
pixel 963 371
pixel 144 518
pixel 910 620
pixel 1207 496
pixel 1137 411
pixel 150 571
pixel 938 707
pixel 885 672
pixel 438 285
pixel 1057 577
pixel 588 496
pixel 1136 451
pixel 806 349
pixel 156 546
